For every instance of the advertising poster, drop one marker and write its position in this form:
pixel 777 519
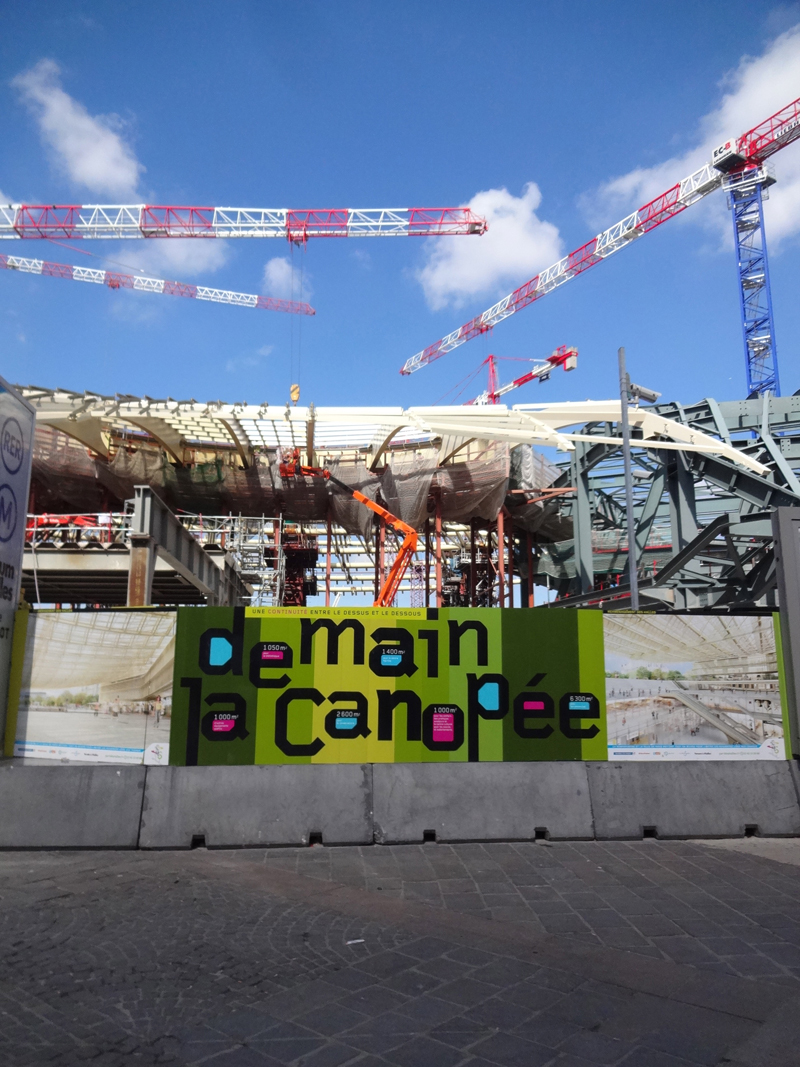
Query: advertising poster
pixel 697 687
pixel 17 420
pixel 378 685
pixel 96 687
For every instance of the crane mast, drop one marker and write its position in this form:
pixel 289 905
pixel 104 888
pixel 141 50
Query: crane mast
pixel 746 192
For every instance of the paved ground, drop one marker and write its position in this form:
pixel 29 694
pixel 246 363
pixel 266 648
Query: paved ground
pixel 717 910
pixel 647 954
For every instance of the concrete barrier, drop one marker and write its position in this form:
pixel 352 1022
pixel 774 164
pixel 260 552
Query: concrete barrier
pixel 240 806
pixel 480 801
pixel 70 807
pixel 174 807
pixel 713 799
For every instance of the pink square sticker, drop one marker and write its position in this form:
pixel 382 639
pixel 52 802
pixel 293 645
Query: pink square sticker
pixel 443 726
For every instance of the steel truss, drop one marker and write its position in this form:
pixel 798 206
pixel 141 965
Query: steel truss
pixel 149 220
pixel 142 284
pixel 703 526
pixel 736 158
pixel 746 191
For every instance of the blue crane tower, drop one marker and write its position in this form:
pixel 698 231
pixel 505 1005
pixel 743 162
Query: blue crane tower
pixel 747 189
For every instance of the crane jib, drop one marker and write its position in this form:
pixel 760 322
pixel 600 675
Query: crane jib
pixel 750 149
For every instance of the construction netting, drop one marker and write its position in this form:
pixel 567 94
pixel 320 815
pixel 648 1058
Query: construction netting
pixel 474 485
pixel 531 472
pixel 406 484
pixel 475 488
pixel 66 476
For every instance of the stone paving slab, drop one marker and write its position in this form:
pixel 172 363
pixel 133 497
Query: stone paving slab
pixel 289 957
pixel 724 910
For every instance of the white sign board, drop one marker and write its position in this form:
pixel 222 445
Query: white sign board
pixel 17 419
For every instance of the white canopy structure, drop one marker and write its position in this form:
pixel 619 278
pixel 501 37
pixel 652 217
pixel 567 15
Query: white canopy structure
pixel 179 425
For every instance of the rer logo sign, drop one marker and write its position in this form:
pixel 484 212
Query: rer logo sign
pixel 12 446
pixel 373 685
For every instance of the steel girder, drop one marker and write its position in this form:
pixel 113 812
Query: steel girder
pixel 710 515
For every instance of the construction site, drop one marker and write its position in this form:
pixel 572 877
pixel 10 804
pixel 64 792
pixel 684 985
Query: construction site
pixel 368 698
pixel 138 501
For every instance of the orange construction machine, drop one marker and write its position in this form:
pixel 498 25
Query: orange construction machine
pixel 293 468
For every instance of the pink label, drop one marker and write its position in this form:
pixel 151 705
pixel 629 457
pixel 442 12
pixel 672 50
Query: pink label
pixel 533 705
pixel 221 726
pixel 443 729
pixel 271 655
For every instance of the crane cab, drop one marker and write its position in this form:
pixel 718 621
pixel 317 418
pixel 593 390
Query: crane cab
pixel 726 157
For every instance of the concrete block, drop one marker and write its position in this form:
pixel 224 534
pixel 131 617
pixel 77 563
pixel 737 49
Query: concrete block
pixel 246 806
pixel 70 807
pixel 713 799
pixel 480 801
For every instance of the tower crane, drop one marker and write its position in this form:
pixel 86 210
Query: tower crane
pixel 152 285
pixel 125 221
pixel 130 221
pixel 738 165
pixel 562 357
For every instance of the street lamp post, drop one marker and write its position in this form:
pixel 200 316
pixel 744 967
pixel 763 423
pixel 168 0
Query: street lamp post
pixel 624 396
pixel 628 390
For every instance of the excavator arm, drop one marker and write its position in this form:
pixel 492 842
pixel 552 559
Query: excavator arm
pixel 406 552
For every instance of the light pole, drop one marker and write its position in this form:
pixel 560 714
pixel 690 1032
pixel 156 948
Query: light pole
pixel 627 390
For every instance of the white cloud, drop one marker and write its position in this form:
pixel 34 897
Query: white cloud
pixel 89 148
pixel 516 245
pixel 279 283
pixel 756 89
pixel 177 258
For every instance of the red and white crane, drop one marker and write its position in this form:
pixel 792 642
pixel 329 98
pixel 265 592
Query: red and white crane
pixel 751 150
pixel 152 285
pixel 562 357
pixel 27 221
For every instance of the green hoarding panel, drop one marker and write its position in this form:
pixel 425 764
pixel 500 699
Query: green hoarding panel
pixel 383 685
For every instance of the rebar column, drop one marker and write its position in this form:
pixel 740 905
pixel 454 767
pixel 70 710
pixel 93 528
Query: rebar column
pixel 328 559
pixel 382 542
pixel 438 550
pixel 427 563
pixel 529 546
pixel 473 570
pixel 510 536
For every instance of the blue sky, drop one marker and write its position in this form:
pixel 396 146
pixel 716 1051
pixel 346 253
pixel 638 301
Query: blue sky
pixel 599 105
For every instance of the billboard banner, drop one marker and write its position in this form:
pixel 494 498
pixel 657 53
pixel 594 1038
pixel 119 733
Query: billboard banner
pixel 701 687
pixel 95 687
pixel 17 420
pixel 383 685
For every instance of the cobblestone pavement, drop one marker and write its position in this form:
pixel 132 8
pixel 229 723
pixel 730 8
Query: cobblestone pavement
pixel 326 957
pixel 717 910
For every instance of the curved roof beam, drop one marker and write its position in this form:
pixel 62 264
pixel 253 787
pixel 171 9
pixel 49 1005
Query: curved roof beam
pixel 87 431
pixel 239 438
pixel 161 431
